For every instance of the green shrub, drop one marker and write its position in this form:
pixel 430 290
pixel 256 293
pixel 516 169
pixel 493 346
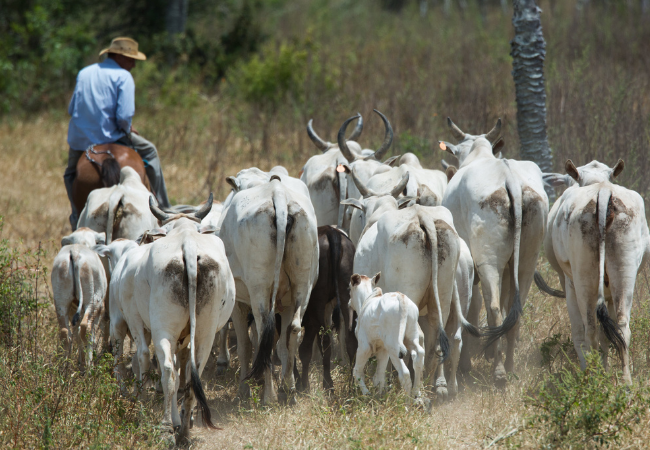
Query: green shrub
pixel 585 408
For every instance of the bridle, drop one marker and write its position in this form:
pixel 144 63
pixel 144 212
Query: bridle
pixel 91 149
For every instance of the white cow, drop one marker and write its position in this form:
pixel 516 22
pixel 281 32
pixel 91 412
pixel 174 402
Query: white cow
pixel 387 326
pixel 417 250
pixel 121 211
pixel 329 186
pixel 597 241
pixel 373 204
pixel 181 290
pixel 428 185
pixel 249 178
pixel 499 208
pixel 272 244
pixel 79 287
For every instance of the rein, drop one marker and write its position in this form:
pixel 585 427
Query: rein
pixel 92 150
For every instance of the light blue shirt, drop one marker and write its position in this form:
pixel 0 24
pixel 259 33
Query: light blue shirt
pixel 102 105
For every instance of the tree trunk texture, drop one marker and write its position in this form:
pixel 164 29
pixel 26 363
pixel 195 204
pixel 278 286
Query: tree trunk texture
pixel 528 50
pixel 176 16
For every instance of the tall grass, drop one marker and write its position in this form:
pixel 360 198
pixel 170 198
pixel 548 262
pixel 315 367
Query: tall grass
pixel 48 402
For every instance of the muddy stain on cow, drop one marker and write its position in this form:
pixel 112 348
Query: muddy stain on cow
pixel 499 203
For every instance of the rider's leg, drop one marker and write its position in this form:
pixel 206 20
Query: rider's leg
pixel 148 152
pixel 68 179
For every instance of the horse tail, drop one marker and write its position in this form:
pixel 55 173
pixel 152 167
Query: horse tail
pixel 110 172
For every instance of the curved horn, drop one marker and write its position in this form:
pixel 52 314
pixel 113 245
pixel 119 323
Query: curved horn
pixel 388 137
pixel 494 133
pixel 357 130
pixel 343 147
pixel 321 144
pixel 205 209
pixel 363 189
pixel 157 212
pixel 397 190
pixel 455 131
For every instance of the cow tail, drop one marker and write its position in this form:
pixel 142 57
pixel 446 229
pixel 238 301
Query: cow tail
pixel 430 231
pixel 75 263
pixel 467 326
pixel 190 259
pixel 343 194
pixel 334 238
pixel 263 357
pixel 544 287
pixel 403 312
pixel 114 204
pixel 514 193
pixel 612 332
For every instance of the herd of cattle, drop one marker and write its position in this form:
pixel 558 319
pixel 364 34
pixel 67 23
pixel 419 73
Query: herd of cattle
pixel 388 254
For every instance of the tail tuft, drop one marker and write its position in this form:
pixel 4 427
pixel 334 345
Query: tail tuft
pixel 263 357
pixel 492 334
pixel 443 341
pixel 402 351
pixel 612 332
pixel 75 319
pixel 201 399
pixel 471 329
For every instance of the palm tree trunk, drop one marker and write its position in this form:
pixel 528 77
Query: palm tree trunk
pixel 176 16
pixel 528 50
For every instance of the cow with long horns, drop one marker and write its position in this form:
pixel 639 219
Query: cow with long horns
pixel 499 208
pixel 325 178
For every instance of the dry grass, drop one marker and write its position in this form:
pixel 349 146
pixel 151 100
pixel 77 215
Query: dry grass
pixel 479 417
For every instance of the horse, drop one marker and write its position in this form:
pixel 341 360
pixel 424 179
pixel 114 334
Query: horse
pixel 100 167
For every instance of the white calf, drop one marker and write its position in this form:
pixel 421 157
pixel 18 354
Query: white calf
pixel 387 326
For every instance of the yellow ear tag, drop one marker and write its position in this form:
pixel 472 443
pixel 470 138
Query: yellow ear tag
pixel 340 168
pixel 443 146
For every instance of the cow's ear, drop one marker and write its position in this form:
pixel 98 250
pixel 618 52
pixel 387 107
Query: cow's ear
pixel 618 168
pixel 100 238
pixel 208 229
pixel 234 183
pixel 376 278
pixel 450 172
pixel 498 146
pixel 67 240
pixel 355 279
pixel 448 147
pixel 353 202
pixel 571 170
pixel 405 202
pixel 391 161
pixel 102 250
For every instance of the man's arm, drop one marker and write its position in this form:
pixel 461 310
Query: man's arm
pixel 125 104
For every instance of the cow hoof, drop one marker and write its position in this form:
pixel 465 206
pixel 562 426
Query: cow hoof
pixel 222 368
pixel 500 380
pixel 442 395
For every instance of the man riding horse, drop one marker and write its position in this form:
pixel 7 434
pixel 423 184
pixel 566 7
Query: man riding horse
pixel 101 110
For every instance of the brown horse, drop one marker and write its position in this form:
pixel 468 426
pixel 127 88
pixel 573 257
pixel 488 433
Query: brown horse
pixel 100 167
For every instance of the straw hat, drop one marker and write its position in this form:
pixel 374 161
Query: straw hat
pixel 125 46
